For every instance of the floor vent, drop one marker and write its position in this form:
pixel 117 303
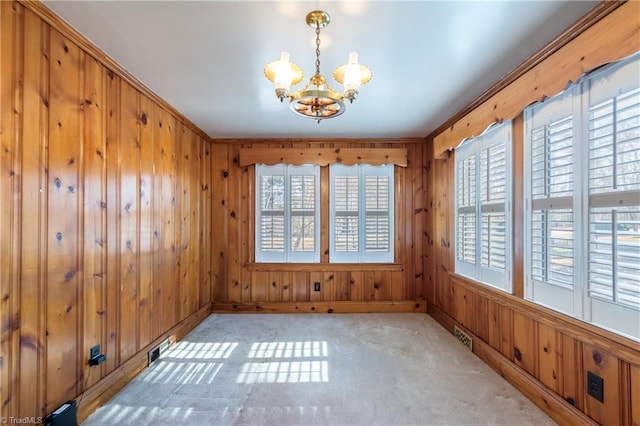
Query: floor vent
pixel 464 338
pixel 159 350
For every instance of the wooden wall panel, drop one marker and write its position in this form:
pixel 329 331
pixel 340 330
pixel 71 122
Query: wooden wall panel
pixel 92 227
pixel 128 218
pixel 234 281
pixel 607 366
pixel 63 220
pixel 234 213
pixel 571 372
pixel 548 354
pixel 10 74
pixel 524 343
pixel 112 158
pixel 205 247
pixel 635 394
pixel 183 230
pixel 195 266
pixel 94 215
pixel 219 215
pixel 147 248
pixel 33 209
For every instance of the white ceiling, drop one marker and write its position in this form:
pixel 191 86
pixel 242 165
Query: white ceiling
pixel 429 58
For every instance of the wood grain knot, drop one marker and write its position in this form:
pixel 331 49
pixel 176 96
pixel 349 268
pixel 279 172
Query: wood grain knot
pixel 517 354
pixel 597 358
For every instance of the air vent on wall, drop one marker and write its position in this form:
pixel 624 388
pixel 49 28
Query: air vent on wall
pixel 463 337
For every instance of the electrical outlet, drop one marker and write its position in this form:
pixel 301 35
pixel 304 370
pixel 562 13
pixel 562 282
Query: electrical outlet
pixel 94 351
pixel 595 386
pixel 95 357
pixel 154 354
pixel 316 286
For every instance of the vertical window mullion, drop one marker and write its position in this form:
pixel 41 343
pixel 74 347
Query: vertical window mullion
pixel 478 209
pixel 547 161
pixel 287 214
pixel 545 244
pixel 362 215
pixel 614 255
pixel 614 146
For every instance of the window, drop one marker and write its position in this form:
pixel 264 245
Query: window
pixel 582 200
pixel 482 208
pixel 361 213
pixel 287 213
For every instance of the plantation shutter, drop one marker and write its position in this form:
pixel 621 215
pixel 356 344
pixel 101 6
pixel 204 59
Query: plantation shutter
pixel 492 207
pixel 361 213
pixel 466 211
pixel 271 212
pixel 550 202
pixel 287 213
pixel 483 224
pixel 552 194
pixel 614 198
pixel 347 208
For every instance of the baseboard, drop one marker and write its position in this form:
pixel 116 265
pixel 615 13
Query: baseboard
pixel 342 307
pixel 109 385
pixel 549 402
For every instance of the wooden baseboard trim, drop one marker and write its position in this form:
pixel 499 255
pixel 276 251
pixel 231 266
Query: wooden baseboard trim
pixel 109 385
pixel 320 307
pixel 549 402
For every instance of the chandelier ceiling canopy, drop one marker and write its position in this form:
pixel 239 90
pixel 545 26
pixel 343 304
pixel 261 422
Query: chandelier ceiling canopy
pixel 317 99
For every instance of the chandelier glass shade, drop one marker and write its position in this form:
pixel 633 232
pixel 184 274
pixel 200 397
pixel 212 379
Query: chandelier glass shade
pixel 317 99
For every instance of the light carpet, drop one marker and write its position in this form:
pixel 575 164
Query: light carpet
pixel 318 369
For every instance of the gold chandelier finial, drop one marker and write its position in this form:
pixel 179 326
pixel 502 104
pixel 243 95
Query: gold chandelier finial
pixel 317 99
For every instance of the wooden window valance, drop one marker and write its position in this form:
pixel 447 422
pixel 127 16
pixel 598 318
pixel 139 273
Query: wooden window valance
pixel 323 156
pixel 612 38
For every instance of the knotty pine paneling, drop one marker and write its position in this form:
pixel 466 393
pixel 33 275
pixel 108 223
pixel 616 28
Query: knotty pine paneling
pixel 63 243
pixel 33 205
pixel 105 219
pixel 233 212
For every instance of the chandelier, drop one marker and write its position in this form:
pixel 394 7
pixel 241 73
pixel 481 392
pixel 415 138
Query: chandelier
pixel 317 99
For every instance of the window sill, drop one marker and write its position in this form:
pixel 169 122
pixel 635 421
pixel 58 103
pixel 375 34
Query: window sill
pixel 323 267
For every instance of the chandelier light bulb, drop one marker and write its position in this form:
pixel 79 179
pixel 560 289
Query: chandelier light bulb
pixel 352 77
pixel 283 74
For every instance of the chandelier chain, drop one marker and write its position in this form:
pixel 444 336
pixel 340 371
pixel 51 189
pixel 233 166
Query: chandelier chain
pixel 318 50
